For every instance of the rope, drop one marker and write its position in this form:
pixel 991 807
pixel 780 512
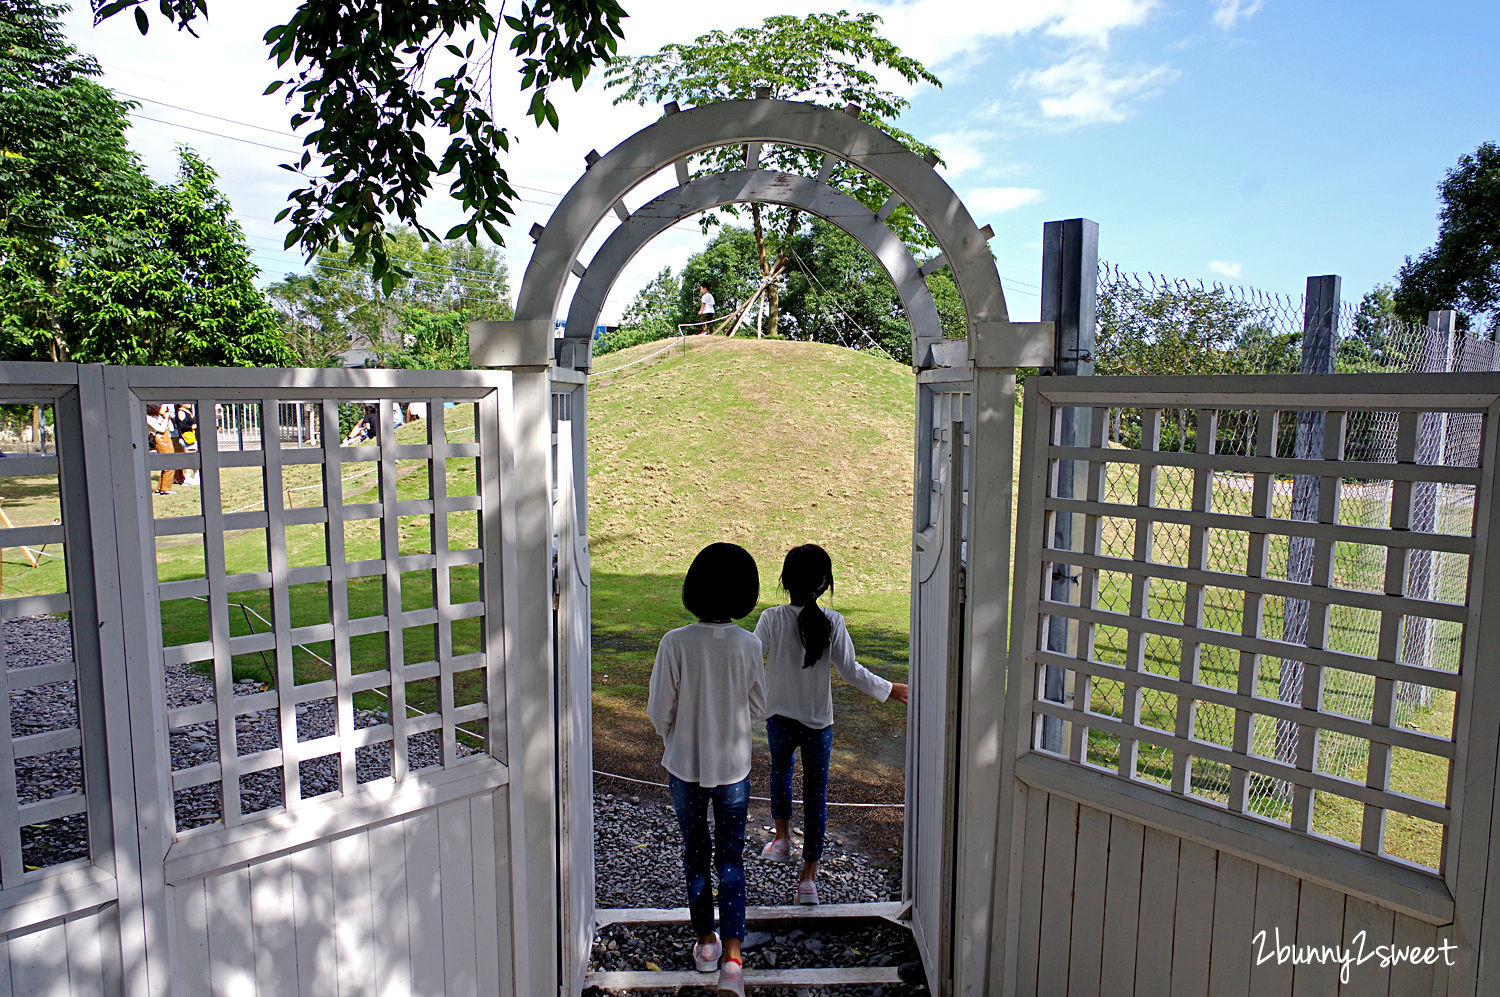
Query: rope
pixel 758 799
pixel 648 356
pixel 849 318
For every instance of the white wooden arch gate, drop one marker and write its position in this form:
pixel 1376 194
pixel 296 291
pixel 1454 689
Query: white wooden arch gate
pixel 965 421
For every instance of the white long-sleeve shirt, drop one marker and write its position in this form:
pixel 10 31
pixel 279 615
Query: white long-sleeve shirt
pixel 806 694
pixel 707 688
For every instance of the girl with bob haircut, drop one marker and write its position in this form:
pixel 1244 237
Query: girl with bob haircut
pixel 706 691
pixel 803 642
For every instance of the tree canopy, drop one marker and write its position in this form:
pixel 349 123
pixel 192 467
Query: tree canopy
pixel 831 59
pixel 1462 269
pixel 369 75
pixel 98 263
pixel 339 303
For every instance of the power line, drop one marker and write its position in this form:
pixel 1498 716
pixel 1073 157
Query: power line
pixel 205 114
pixel 233 138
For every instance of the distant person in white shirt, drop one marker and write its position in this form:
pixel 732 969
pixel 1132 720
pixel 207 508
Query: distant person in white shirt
pixel 803 642
pixel 705 309
pixel 706 691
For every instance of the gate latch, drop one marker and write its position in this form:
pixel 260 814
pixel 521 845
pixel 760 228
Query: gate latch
pixel 963 584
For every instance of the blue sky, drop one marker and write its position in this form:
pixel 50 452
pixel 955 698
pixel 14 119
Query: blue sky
pixel 1252 141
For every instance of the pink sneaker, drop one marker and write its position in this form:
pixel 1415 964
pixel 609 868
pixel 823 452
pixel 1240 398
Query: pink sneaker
pixel 732 979
pixel 706 956
pixel 777 850
pixel 807 892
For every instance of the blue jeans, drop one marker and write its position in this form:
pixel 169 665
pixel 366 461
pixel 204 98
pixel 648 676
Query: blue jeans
pixel 726 846
pixel 784 736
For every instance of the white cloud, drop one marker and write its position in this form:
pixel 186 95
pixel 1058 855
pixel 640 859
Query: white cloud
pixel 1233 271
pixel 1084 90
pixel 996 200
pixel 962 150
pixel 1228 13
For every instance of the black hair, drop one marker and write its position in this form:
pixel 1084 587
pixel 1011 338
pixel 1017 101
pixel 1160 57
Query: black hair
pixel 722 583
pixel 806 574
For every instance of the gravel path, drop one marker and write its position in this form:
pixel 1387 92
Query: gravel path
pixel 636 841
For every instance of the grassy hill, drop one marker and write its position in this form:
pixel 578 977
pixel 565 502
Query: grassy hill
pixel 766 444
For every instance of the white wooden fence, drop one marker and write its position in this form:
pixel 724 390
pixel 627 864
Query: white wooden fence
pixel 378 860
pixel 1140 859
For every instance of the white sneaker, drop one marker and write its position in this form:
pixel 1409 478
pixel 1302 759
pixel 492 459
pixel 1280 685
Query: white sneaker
pixel 807 892
pixel 706 956
pixel 732 979
pixel 777 850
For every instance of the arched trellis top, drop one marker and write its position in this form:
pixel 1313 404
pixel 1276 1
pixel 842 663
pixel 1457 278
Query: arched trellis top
pixel 766 187
pixel 993 339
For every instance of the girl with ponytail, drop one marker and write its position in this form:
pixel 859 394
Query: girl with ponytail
pixel 803 642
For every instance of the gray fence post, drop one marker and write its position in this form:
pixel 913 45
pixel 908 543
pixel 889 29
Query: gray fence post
pixel 1320 317
pixel 1438 356
pixel 1070 275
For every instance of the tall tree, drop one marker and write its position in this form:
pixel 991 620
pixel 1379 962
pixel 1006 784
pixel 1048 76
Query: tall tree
pixel 1462 269
pixel 830 59
pixel 340 303
pixel 369 75
pixel 97 262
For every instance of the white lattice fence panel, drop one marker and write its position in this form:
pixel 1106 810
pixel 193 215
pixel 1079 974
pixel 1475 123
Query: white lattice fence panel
pixel 1276 638
pixel 335 595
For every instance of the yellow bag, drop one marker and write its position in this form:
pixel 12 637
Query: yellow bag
pixel 189 438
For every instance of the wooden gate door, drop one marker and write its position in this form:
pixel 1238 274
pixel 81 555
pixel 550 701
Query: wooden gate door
pixel 573 672
pixel 937 638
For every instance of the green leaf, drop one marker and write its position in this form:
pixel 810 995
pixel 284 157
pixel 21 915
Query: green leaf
pixel 141 21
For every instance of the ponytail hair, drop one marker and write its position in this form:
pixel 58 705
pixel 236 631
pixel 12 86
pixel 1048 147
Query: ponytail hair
pixel 806 574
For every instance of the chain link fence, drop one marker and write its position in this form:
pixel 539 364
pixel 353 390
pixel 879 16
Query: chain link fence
pixel 1153 325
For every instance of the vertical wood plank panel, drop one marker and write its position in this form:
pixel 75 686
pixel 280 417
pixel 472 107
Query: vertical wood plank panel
pixel 1057 896
pixel 1275 910
pixel 489 939
pixel 39 963
pixel 1192 934
pixel 190 962
pixel 456 863
pixel 271 893
pixel 1234 919
pixel 1411 979
pixel 312 907
pixel 85 954
pixel 424 904
pixel 1153 966
pixel 354 915
pixel 231 943
pixel 392 955
pixel 1034 851
pixel 109 939
pixel 1090 867
pixel 1320 922
pixel 1122 906
pixel 1378 928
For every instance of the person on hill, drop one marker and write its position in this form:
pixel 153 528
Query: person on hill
pixel 803 642
pixel 185 424
pixel 706 690
pixel 364 429
pixel 159 429
pixel 705 310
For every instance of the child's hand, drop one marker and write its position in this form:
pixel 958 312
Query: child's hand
pixel 899 691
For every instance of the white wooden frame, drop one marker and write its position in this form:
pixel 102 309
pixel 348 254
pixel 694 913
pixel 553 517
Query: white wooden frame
pixel 1455 897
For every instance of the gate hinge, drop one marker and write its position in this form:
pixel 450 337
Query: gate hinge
pixel 963 584
pixel 556 584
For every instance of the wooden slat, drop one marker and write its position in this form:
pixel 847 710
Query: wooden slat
pixel 1192 934
pixel 1033 848
pixel 1414 978
pixel 492 939
pixel 1234 914
pixel 85 954
pixel 424 903
pixel 231 942
pixel 391 937
pixel 1366 927
pixel 456 868
pixel 1275 910
pixel 1159 869
pixel 39 961
pixel 790 912
pixel 191 971
pixel 1122 902
pixel 353 912
pixel 1320 921
pixel 1057 896
pixel 312 911
pixel 1447 543
pixel 1090 872
pixel 1239 464
pixel 846 976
